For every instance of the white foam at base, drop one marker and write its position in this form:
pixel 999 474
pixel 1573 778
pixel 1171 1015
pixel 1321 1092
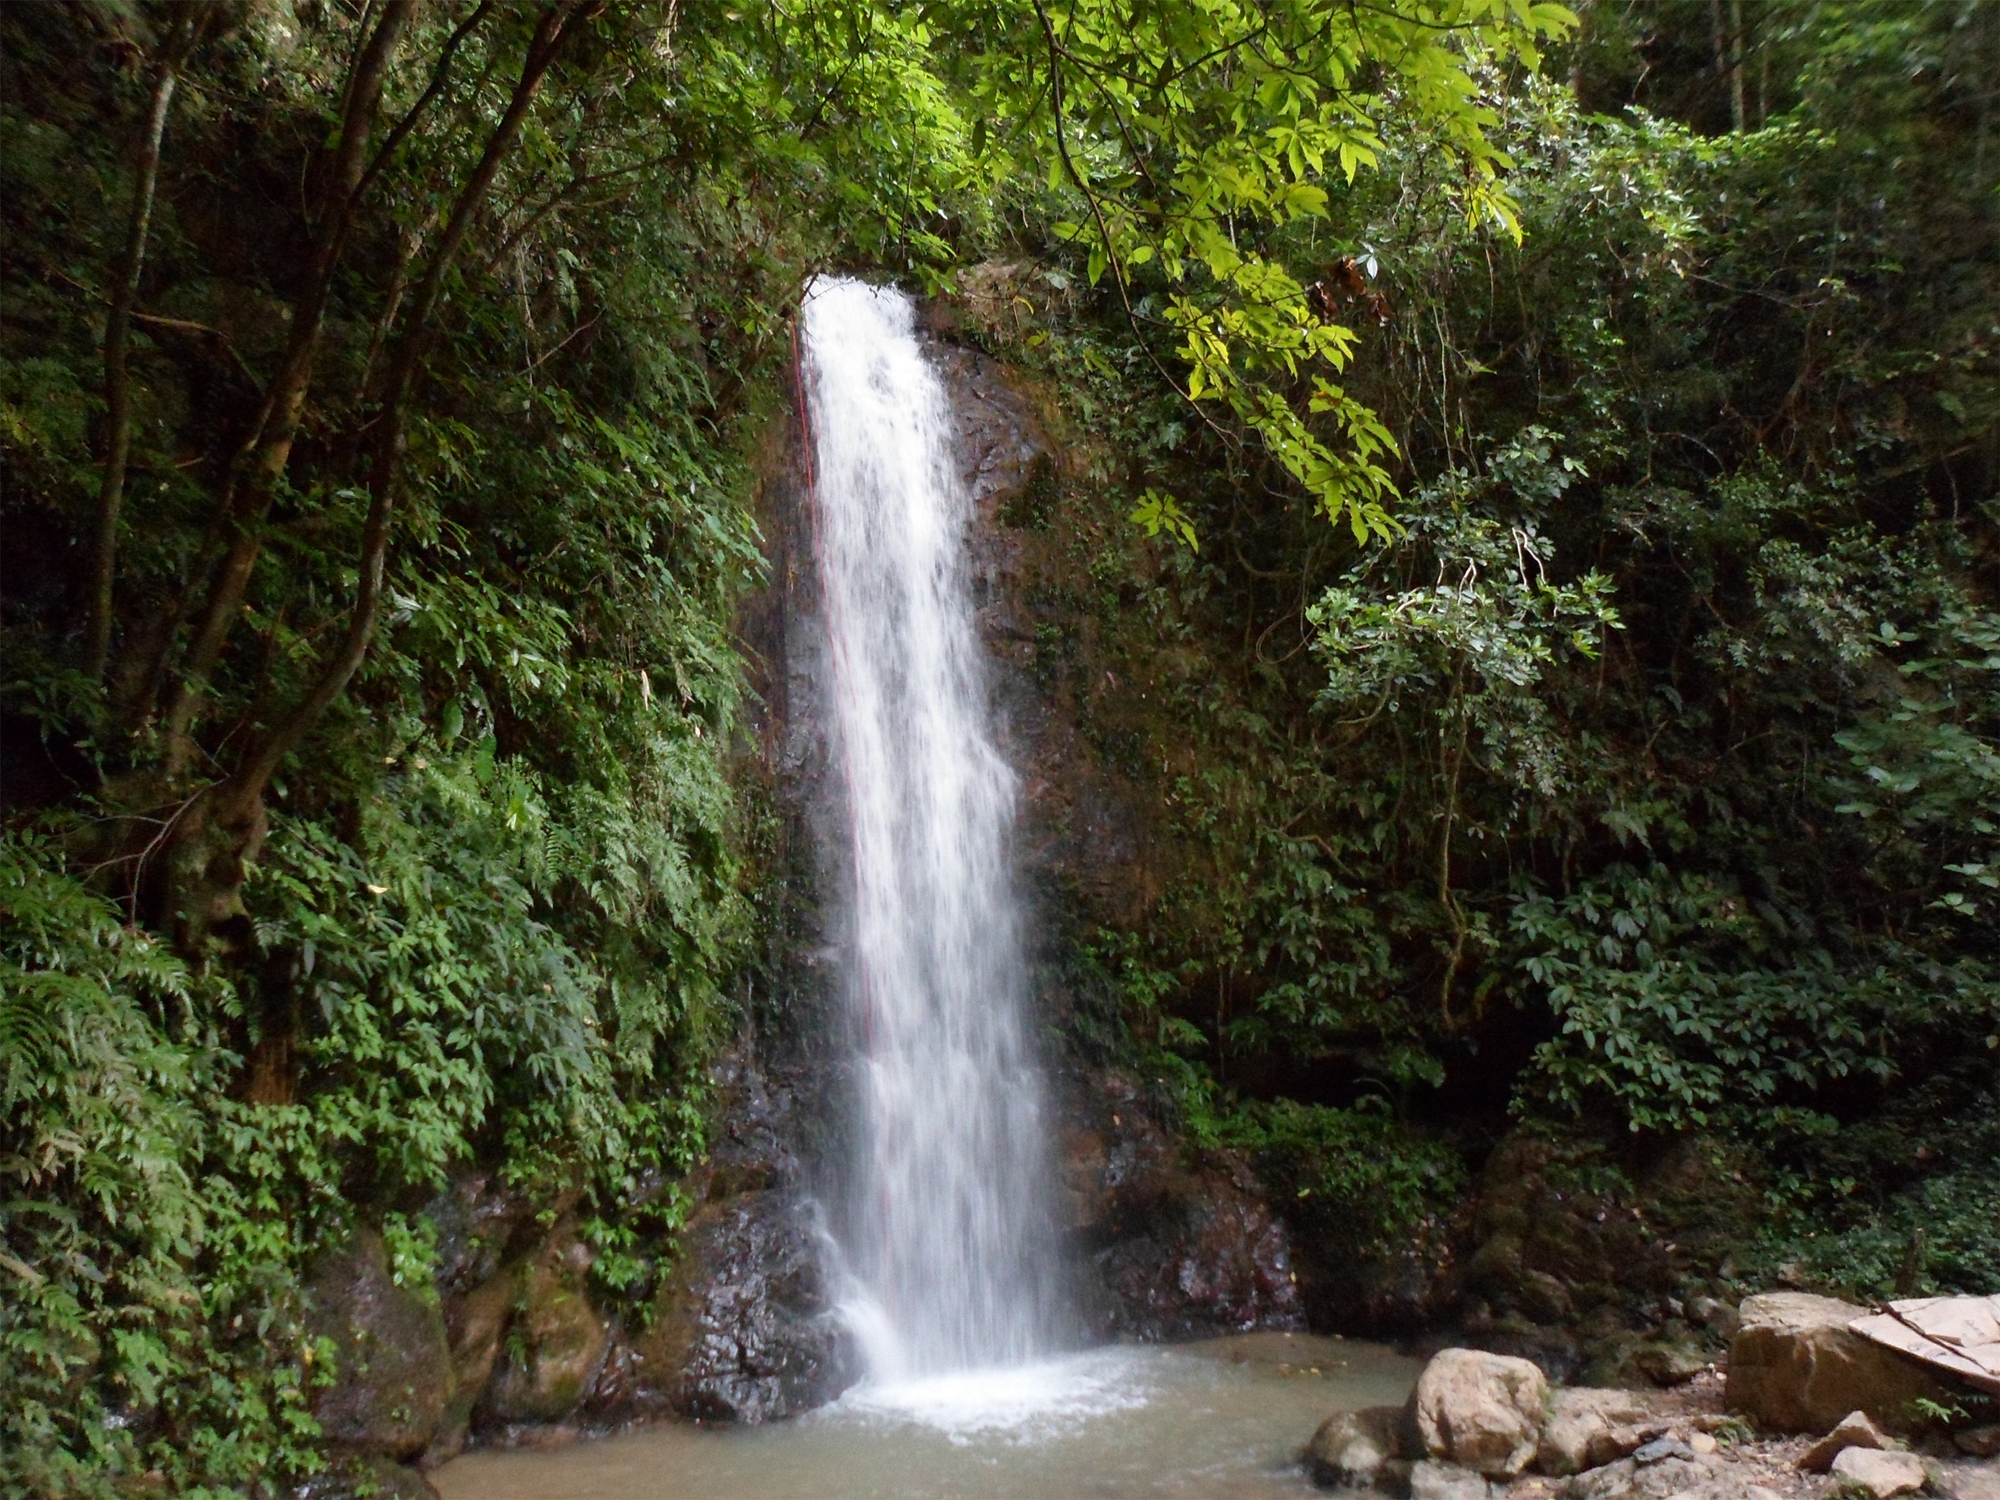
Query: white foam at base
pixel 1021 1403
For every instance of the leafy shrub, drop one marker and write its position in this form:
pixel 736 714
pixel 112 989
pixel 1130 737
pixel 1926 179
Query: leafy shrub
pixel 120 1256
pixel 1355 1180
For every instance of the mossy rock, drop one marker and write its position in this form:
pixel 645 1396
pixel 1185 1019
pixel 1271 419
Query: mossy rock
pixel 393 1369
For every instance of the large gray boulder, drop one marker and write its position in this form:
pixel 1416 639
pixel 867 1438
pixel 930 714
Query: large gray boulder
pixel 1481 1411
pixel 1675 1478
pixel 1796 1366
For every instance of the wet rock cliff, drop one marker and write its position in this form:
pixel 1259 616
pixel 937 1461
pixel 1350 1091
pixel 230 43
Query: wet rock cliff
pixel 1164 1242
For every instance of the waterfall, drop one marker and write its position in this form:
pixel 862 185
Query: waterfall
pixel 944 1227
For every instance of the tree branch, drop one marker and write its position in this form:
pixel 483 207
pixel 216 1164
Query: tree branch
pixel 1104 230
pixel 250 780
pixel 440 75
pixel 253 476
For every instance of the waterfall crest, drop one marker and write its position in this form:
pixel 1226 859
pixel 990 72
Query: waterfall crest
pixel 945 1226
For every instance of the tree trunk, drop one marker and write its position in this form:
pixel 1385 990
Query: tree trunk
pixel 117 340
pixel 224 832
pixel 253 477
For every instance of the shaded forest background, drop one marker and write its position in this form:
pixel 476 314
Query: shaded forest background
pixel 1526 525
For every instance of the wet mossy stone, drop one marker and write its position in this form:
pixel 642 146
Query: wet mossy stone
pixel 363 1476
pixel 743 1329
pixel 554 1344
pixel 393 1371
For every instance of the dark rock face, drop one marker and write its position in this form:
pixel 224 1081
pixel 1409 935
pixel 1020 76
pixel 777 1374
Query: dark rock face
pixel 394 1364
pixel 743 1332
pixel 1382 1292
pixel 1588 1281
pixel 1086 827
pixel 1169 1249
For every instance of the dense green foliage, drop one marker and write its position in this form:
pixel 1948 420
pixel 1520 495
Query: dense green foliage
pixel 1648 779
pixel 380 393
pixel 486 903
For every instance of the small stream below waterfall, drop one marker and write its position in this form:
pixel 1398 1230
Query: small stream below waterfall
pixel 1220 1419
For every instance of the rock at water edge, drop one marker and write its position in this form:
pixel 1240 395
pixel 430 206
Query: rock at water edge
pixel 1351 1447
pixel 1481 1411
pixel 1795 1366
pixel 1881 1474
pixel 356 1476
pixel 393 1364
pixel 555 1343
pixel 1431 1480
pixel 743 1329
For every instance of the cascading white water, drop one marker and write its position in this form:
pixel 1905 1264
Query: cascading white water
pixel 945 1227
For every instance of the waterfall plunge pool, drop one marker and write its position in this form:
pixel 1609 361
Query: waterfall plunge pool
pixel 1220 1419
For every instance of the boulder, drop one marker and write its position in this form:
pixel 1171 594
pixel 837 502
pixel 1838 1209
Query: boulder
pixel 1431 1480
pixel 1481 1411
pixel 1671 1361
pixel 1956 1480
pixel 1853 1431
pixel 1880 1474
pixel 1585 1429
pixel 1718 1317
pixel 1980 1442
pixel 743 1329
pixel 392 1362
pixel 1796 1366
pixel 555 1341
pixel 1351 1447
pixel 1660 1449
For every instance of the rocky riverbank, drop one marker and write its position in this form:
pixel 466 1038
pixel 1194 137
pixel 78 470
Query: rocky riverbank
pixel 1483 1426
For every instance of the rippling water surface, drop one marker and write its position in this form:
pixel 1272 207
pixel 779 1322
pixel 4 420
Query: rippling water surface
pixel 1224 1419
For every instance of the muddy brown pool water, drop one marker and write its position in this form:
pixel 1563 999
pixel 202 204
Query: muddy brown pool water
pixel 1224 1418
